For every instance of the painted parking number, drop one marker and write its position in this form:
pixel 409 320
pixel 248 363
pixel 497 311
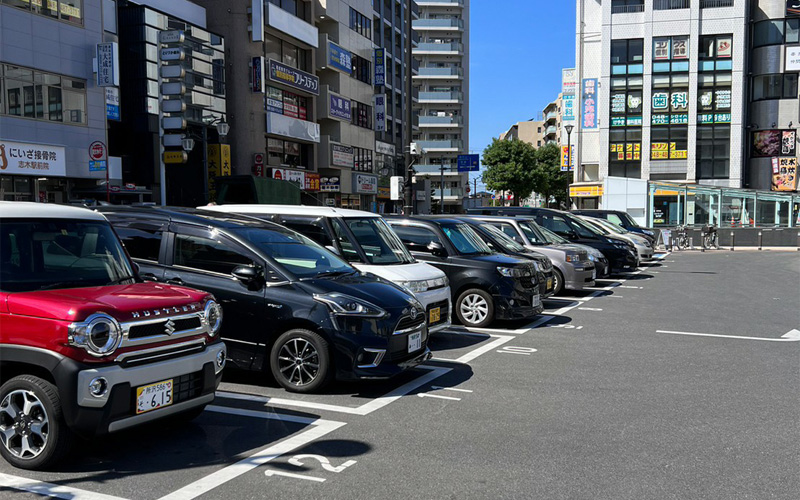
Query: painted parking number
pixel 297 461
pixel 525 351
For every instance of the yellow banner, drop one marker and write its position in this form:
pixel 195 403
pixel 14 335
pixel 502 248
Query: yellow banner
pixel 585 191
pixel 219 164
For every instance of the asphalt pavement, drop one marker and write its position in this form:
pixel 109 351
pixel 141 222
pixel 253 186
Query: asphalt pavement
pixel 678 381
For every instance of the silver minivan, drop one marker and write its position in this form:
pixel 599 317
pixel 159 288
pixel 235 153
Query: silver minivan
pixel 572 267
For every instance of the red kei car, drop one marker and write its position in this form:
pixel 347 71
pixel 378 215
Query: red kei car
pixel 86 347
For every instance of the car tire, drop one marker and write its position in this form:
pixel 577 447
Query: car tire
pixel 558 287
pixel 475 308
pixel 31 407
pixel 300 361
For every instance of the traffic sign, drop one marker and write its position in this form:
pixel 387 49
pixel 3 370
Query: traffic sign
pixel 468 163
pixel 97 151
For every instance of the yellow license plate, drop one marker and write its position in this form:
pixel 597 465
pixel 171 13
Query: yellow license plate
pixel 154 396
pixel 549 283
pixel 435 315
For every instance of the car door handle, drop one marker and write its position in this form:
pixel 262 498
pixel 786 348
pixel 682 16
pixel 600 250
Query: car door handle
pixel 175 281
pixel 148 276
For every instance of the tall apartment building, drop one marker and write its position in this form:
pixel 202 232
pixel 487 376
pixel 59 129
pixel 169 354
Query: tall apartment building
pixel 552 122
pixel 531 131
pixel 443 103
pixel 662 92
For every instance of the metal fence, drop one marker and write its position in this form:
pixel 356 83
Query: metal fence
pixel 710 4
pixel 625 9
pixel 670 4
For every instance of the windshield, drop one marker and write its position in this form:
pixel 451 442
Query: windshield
pixel 531 230
pixel 584 229
pixel 612 227
pixel 53 254
pixel 296 253
pixel 628 219
pixel 597 226
pixel 552 237
pixel 502 239
pixel 380 244
pixel 465 239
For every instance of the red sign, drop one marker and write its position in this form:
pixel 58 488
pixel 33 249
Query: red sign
pixel 258 158
pixel 467 189
pixel 97 151
pixel 258 170
pixel 312 182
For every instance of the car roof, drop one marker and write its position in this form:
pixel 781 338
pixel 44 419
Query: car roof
pixel 289 210
pixel 194 216
pixel 28 209
pixel 499 218
pixel 431 219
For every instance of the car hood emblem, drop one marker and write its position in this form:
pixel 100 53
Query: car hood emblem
pixel 169 327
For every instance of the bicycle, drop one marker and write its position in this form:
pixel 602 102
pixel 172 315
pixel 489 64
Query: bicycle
pixel 710 239
pixel 681 239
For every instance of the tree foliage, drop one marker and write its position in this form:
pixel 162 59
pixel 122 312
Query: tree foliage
pixel 516 166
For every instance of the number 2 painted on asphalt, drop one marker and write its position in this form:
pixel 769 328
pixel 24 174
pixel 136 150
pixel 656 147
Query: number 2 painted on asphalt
pixel 526 351
pixel 324 462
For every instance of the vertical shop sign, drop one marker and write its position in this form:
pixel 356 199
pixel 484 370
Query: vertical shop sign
pixel 380 112
pixel 661 48
pixel 107 64
pixel 380 67
pixel 680 47
pixel 589 102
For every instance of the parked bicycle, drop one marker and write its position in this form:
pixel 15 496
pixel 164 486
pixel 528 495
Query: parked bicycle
pixel 710 239
pixel 681 238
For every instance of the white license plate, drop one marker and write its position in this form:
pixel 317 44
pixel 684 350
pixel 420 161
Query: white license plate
pixel 415 342
pixel 154 396
pixel 536 300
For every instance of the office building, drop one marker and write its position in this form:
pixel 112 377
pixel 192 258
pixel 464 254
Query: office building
pixel 443 103
pixel 531 131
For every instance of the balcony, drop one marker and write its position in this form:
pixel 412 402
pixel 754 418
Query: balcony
pixel 670 4
pixel 438 24
pixel 453 48
pixel 551 130
pixel 440 73
pixel 441 121
pixel 627 9
pixel 550 116
pixel 454 145
pixel 440 3
pixel 712 4
pixel 441 97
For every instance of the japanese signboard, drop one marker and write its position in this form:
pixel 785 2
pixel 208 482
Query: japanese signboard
pixel 380 67
pixel 585 191
pixel 785 179
pixel 617 121
pixel 32 159
pixel 293 176
pixel 661 48
pixel 380 112
pixel 340 107
pixel 618 102
pixel 281 73
pixel 659 119
pixel 112 103
pixel 107 64
pixel 339 59
pixel 792 60
pixel 312 182
pixel 342 156
pixel 330 184
pixel 568 108
pixel 468 163
pixel 774 143
pixel 274 100
pixel 258 74
pixel 568 83
pixel 365 184
pixel 625 151
pixel 679 101
pixel 660 101
pixel 589 103
pixel 680 47
pixel 724 47
pixel 566 164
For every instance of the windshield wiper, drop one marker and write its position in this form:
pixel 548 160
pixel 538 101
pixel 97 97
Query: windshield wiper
pixel 119 281
pixel 62 284
pixel 333 274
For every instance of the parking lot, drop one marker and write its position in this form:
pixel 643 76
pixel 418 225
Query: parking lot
pixel 676 381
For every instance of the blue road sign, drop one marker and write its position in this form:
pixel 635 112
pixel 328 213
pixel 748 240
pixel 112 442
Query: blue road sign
pixel 468 163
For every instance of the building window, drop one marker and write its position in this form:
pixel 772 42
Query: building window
pixel 362 160
pixel 775 86
pixel 713 151
pixel 714 80
pixel 627 57
pixel 287 103
pixel 626 101
pixel 360 23
pixel 290 154
pixel 669 143
pixel 362 114
pixel 362 69
pixel 70 11
pixel 625 154
pixel 44 96
pixel 285 52
pixel 776 32
pixel 624 6
pixel 298 8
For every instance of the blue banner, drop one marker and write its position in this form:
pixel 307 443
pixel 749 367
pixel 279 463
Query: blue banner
pixel 340 107
pixel 339 58
pixel 380 67
pixel 589 103
pixel 468 163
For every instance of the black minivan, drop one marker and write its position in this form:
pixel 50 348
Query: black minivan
pixel 485 285
pixel 290 305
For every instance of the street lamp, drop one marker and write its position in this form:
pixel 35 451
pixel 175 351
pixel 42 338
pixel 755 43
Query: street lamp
pixel 569 128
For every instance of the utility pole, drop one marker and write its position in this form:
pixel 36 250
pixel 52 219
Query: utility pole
pixel 408 200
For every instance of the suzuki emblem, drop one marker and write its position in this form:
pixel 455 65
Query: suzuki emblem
pixel 169 327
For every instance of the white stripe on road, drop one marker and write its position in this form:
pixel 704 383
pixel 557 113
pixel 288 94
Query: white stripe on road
pixel 436 387
pixel 501 339
pixel 271 472
pixel 425 395
pixel 786 338
pixel 50 489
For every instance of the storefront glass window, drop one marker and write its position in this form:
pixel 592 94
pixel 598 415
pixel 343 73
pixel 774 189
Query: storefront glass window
pixel 738 209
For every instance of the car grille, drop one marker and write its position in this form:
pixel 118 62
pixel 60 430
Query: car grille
pixel 160 328
pixel 398 348
pixel 407 323
pixel 444 312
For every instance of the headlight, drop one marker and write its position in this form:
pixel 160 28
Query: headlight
pixel 345 305
pixel 648 232
pixel 418 286
pixel 573 257
pixel 515 272
pixel 213 317
pixel 99 335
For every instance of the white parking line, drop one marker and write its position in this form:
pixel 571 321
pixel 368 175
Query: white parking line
pixel 50 489
pixel 271 472
pixel 426 395
pixel 439 388
pixel 319 428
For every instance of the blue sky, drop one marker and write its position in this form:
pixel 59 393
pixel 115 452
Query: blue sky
pixel 517 50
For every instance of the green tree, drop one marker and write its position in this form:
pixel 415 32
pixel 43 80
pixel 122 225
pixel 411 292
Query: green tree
pixel 510 167
pixel 549 180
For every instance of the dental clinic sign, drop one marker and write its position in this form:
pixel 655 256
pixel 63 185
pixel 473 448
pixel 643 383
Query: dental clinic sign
pixel 32 159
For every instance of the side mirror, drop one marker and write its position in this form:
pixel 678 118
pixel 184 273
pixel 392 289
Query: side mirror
pixel 248 275
pixel 437 249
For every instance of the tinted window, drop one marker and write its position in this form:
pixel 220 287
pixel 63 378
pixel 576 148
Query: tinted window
pixel 416 239
pixel 532 232
pixel 142 243
pixel 311 227
pixel 465 240
pixel 555 223
pixel 510 231
pixel 378 242
pixel 207 254
pixel 349 251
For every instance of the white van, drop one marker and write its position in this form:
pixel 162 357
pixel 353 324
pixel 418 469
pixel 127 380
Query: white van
pixel 368 243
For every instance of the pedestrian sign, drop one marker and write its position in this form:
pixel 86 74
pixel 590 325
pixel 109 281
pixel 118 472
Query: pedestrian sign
pixel 468 163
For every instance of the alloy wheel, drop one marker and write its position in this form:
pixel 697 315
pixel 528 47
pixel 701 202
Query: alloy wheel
pixel 24 424
pixel 298 361
pixel 474 308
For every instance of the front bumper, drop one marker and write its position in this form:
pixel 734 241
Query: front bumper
pixel 439 297
pixel 625 263
pixel 545 277
pixel 644 253
pixel 195 378
pixel 516 301
pixel 578 276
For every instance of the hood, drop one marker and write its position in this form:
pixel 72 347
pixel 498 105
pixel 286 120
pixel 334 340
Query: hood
pixel 362 286
pixel 403 272
pixel 120 301
pixel 494 259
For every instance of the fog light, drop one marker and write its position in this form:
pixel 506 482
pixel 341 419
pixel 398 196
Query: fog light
pixel 220 359
pixel 512 303
pixel 360 357
pixel 98 387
